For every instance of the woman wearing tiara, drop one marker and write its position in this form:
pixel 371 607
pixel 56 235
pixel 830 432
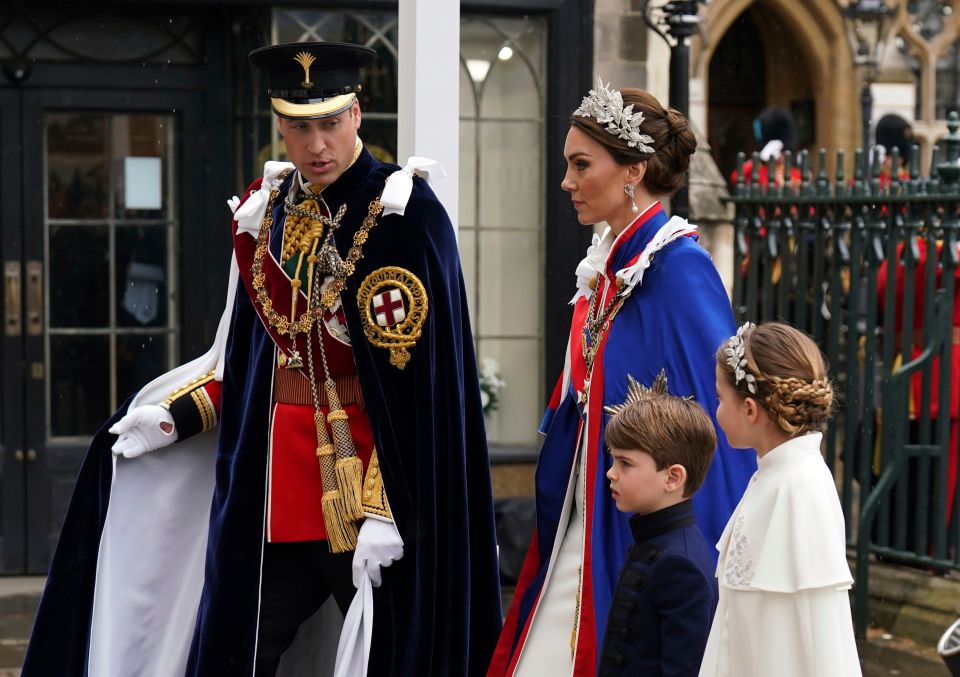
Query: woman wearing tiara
pixel 648 298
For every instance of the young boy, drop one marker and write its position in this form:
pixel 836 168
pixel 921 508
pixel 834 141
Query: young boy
pixel 664 601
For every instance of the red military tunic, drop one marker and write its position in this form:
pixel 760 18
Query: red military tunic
pixel 918 318
pixel 295 486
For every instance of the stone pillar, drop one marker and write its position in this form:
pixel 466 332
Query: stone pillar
pixel 428 100
pixel 627 53
pixel 620 44
pixel 714 218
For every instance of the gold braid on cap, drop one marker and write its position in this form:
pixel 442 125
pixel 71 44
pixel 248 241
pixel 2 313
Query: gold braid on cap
pixel 637 392
pixel 606 107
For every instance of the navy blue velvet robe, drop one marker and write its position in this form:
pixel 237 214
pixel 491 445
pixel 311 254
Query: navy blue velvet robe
pixel 438 611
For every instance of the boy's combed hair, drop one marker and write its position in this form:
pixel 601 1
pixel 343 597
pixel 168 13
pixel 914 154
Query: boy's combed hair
pixel 672 430
pixel 791 376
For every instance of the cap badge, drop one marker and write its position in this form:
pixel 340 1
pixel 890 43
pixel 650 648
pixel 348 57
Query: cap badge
pixel 306 60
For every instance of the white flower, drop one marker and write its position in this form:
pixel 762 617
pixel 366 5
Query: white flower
pixel 489 368
pixel 490 384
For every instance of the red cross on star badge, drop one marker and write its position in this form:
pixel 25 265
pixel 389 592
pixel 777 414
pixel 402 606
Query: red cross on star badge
pixel 395 306
pixel 388 308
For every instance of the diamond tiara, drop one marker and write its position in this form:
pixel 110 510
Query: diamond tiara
pixel 738 361
pixel 606 107
pixel 637 392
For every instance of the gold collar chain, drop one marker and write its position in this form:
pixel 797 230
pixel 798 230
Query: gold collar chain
pixel 329 296
pixel 595 326
pixel 291 327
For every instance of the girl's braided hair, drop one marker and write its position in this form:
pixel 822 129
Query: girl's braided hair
pixel 790 376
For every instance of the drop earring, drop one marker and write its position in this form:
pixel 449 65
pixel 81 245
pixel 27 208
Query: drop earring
pixel 628 189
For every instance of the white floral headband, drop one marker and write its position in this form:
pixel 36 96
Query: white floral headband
pixel 606 107
pixel 738 361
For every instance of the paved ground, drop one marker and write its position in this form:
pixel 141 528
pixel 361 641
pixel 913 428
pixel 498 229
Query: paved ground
pixel 881 654
pixel 18 604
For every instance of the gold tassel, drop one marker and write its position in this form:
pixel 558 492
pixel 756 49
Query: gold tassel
pixel 349 468
pixel 341 530
pixel 340 516
pixel 350 484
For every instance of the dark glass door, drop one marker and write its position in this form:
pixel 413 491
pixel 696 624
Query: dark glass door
pixel 92 223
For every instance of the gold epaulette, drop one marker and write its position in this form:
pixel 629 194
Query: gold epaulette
pixel 374 495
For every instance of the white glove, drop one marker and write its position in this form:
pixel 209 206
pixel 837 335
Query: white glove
pixel 140 431
pixel 378 545
pixel 772 150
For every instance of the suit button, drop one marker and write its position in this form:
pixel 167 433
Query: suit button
pixel 622 632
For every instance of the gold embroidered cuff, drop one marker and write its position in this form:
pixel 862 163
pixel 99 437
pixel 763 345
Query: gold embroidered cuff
pixel 374 496
pixel 191 408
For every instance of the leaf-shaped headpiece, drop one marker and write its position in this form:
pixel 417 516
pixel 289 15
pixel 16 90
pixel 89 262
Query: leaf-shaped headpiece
pixel 737 359
pixel 637 392
pixel 606 107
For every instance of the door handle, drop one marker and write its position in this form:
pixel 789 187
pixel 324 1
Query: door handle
pixel 34 298
pixel 11 299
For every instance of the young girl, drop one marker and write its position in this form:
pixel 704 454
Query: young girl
pixel 783 573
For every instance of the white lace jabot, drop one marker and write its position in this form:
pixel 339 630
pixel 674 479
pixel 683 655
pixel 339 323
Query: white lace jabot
pixel 598 254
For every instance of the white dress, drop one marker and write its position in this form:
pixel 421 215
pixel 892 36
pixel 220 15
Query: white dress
pixel 547 650
pixel 784 606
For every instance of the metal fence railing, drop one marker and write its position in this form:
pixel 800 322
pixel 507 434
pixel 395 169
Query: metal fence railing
pixel 867 265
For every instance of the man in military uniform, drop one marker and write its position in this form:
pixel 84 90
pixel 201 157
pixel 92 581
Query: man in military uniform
pixel 336 422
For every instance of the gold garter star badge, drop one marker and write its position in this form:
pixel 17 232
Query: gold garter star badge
pixel 393 306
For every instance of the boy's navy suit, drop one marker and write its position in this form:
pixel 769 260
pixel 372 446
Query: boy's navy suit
pixel 664 601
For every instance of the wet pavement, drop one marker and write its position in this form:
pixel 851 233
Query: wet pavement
pixel 18 605
pixel 883 655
